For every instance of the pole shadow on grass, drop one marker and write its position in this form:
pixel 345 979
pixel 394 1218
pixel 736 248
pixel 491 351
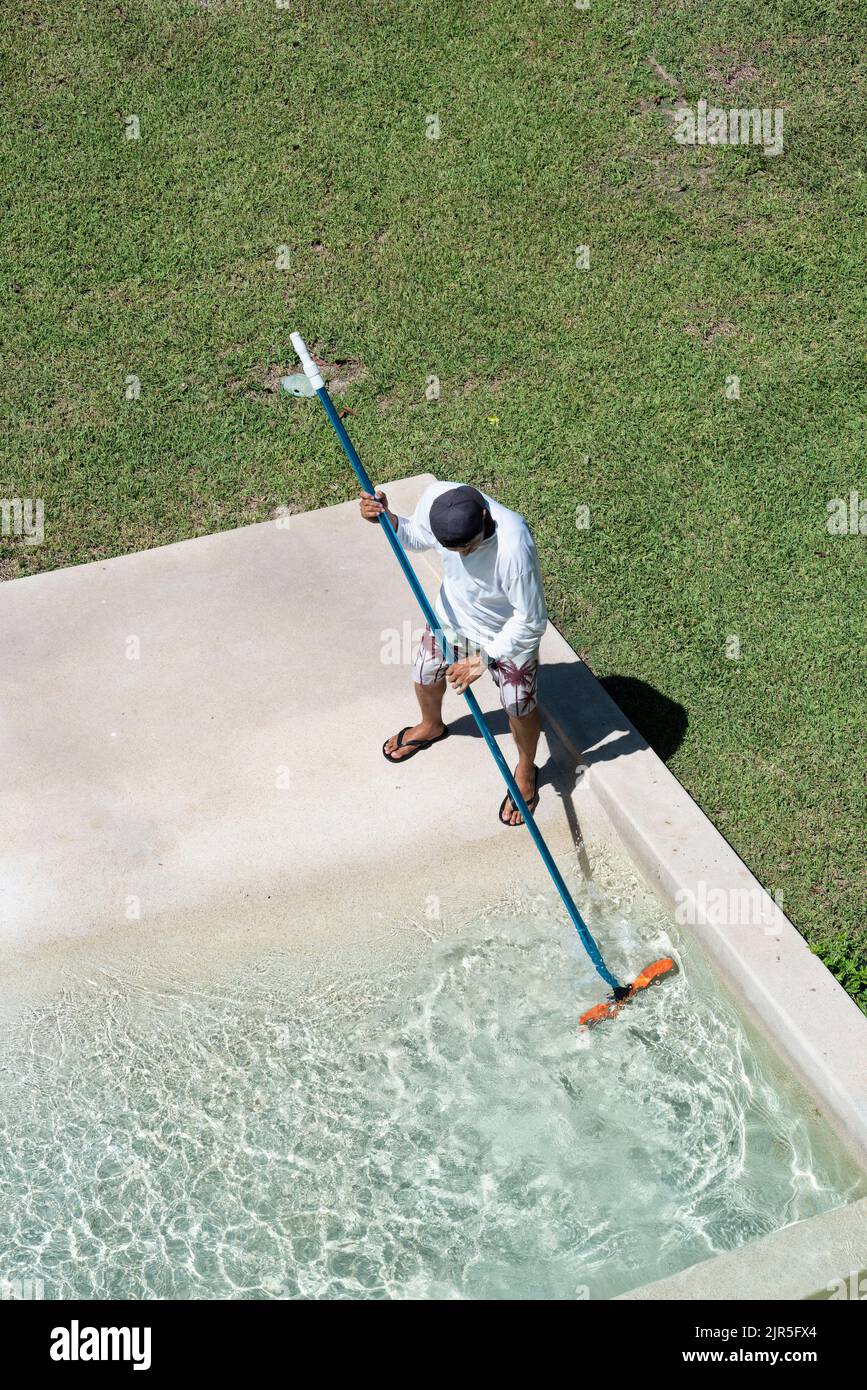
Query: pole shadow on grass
pixel 570 695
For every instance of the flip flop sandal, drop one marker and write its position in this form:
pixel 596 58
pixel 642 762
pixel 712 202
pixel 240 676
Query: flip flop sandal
pixel 417 745
pixel 531 804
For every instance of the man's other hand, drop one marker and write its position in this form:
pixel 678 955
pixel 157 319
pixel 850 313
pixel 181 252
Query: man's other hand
pixel 463 673
pixel 372 507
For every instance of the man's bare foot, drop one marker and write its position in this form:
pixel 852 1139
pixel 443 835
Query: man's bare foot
pixel 526 778
pixel 419 731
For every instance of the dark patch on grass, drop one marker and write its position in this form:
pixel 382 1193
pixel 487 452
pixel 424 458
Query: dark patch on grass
pixel 730 71
pixel 709 332
pixel 340 374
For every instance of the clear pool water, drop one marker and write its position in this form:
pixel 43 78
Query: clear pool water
pixel 421 1120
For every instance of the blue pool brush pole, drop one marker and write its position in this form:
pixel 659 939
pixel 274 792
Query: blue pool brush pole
pixel 314 376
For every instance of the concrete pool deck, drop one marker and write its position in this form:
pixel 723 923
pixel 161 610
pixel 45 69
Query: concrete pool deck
pixel 192 739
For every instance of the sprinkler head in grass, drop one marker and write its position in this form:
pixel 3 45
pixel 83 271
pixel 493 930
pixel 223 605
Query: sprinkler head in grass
pixel 296 385
pixel 651 975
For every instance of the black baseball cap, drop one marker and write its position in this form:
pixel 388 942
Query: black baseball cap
pixel 456 516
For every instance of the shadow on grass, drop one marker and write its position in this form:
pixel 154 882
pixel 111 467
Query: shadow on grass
pixel 661 722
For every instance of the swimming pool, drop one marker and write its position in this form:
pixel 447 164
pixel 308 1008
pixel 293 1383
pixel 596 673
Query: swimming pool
pixel 419 1118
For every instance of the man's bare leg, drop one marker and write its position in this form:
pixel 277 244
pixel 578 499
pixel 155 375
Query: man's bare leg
pixel 526 729
pixel 430 701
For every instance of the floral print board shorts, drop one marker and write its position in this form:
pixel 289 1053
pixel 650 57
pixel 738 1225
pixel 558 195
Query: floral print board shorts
pixel 516 684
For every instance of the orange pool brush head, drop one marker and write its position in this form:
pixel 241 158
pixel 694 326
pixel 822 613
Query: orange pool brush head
pixel 650 975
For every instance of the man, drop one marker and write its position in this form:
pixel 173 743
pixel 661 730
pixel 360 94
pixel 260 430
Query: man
pixel 492 609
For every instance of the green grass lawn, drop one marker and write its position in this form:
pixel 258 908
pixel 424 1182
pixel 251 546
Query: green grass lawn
pixel 408 257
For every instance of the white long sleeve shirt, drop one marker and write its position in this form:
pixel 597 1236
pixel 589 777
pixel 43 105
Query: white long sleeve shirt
pixel 494 596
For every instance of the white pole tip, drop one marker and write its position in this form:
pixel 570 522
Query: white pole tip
pixel 311 371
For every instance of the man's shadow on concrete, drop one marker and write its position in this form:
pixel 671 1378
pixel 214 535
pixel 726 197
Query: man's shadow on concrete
pixel 583 722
